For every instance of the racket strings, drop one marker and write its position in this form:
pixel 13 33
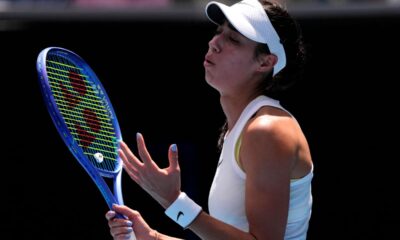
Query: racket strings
pixel 77 86
pixel 83 111
pixel 63 90
pixel 100 111
pixel 69 112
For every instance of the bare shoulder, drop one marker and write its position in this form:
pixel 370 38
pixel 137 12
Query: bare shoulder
pixel 272 125
pixel 273 139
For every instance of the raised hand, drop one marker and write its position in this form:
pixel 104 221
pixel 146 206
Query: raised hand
pixel 162 184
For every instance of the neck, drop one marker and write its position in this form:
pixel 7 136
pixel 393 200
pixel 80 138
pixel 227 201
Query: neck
pixel 234 106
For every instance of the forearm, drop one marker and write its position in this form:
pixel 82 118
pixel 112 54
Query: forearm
pixel 209 228
pixel 160 236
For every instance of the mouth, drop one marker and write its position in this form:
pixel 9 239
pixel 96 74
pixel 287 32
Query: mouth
pixel 208 62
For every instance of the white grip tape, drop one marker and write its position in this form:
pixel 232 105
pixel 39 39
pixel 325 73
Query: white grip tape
pixel 183 210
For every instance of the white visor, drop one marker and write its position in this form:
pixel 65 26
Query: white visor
pixel 250 19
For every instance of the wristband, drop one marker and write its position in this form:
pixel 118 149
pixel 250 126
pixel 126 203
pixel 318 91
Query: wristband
pixel 183 210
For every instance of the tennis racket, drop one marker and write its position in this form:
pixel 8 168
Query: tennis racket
pixel 84 117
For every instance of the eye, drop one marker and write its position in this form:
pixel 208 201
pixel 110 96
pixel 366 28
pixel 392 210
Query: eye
pixel 234 40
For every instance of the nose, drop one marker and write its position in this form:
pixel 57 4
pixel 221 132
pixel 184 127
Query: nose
pixel 215 44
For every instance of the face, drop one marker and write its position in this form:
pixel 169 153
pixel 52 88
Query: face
pixel 230 64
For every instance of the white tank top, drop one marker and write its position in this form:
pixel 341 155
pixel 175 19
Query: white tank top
pixel 226 200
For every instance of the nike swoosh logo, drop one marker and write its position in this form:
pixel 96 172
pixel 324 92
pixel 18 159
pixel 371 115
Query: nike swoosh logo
pixel 180 213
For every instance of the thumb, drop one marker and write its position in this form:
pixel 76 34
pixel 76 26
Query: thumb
pixel 124 210
pixel 173 157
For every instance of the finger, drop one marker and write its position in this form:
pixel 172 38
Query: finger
pixel 173 157
pixel 124 210
pixel 143 153
pixel 129 156
pixel 124 237
pixel 129 168
pixel 127 236
pixel 117 223
pixel 110 215
pixel 132 174
pixel 121 232
pixel 128 164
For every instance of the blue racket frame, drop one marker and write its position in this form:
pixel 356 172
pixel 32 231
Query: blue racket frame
pixel 96 174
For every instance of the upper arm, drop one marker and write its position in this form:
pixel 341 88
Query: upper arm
pixel 267 157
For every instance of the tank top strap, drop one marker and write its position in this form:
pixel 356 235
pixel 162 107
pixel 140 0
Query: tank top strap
pixel 250 110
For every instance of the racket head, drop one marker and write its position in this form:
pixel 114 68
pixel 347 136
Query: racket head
pixel 81 110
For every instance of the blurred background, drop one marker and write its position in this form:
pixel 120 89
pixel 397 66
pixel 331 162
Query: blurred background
pixel 148 55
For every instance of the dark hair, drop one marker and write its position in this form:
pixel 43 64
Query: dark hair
pixel 291 37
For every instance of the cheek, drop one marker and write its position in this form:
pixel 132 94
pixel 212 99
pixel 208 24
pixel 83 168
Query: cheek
pixel 229 71
pixel 239 66
pixel 240 58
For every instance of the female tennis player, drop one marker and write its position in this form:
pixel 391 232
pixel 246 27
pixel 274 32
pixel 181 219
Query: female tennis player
pixel 262 185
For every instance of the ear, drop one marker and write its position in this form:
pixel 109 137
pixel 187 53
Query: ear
pixel 266 62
